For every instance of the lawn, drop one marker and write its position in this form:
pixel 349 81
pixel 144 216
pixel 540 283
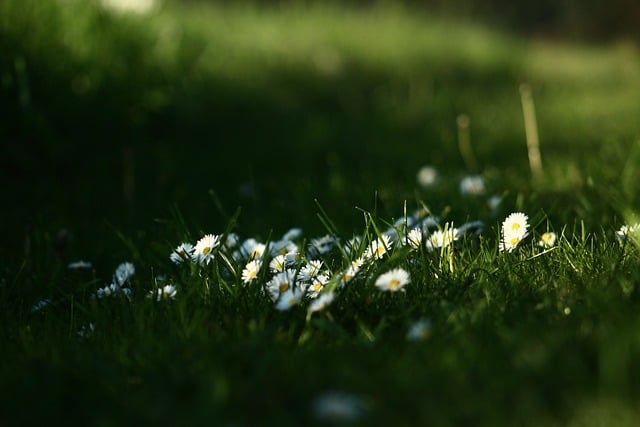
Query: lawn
pixel 125 135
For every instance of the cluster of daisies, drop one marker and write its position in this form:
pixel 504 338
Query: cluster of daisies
pixel 291 271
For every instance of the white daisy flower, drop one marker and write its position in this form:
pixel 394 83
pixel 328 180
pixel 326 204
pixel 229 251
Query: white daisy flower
pixel 231 240
pixel 183 252
pixel 79 265
pixel 352 245
pixel 514 229
pixel 292 258
pixel 626 230
pixel 289 298
pixel 419 331
pixel 282 247
pixel 348 274
pixel 310 270
pixel 472 185
pixel 40 304
pixel 408 221
pixel 250 249
pixel 338 407
pixel 321 303
pixel 251 270
pixel 516 224
pixel 107 291
pixel 430 222
pixel 322 245
pixel 203 252
pixel 427 176
pixel 316 285
pixel 87 330
pixel 494 202
pixel 393 280
pixel 280 283
pixel 442 238
pixel 378 247
pixel 292 234
pixel 278 264
pixel 358 263
pixel 548 239
pixel 124 272
pixel 414 238
pixel 475 227
pixel 164 293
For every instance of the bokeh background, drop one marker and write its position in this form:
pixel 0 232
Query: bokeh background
pixel 145 118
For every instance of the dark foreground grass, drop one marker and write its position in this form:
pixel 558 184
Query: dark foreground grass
pixel 109 121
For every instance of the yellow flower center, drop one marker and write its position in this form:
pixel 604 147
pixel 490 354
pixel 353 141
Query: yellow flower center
pixel 284 286
pixel 514 241
pixel 394 284
pixel 515 226
pixel 206 250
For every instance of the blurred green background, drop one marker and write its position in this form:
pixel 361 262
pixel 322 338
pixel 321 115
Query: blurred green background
pixel 114 119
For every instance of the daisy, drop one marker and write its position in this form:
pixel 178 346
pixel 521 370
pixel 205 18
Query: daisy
pixel 473 226
pixel 277 264
pixel 427 176
pixel 250 272
pixel 79 265
pixel 280 283
pixel 251 249
pixel 107 291
pixel 203 252
pixel 124 272
pixel 378 247
pixel 548 239
pixel 516 224
pixel 310 270
pixel 404 221
pixel 321 303
pixel 293 257
pixel 442 238
pixel 323 245
pixel 494 202
pixel 87 330
pixel 414 238
pixel 182 253
pixel 472 185
pixel 283 247
pixel 393 280
pixel 292 234
pixel 40 304
pixel 419 331
pixel 514 229
pixel 164 293
pixel 339 407
pixel 357 263
pixel 317 284
pixel 626 230
pixel 289 298
pixel 352 245
pixel 430 222
pixel 231 240
pixel 348 274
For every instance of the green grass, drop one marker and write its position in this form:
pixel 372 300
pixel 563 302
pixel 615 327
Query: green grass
pixel 124 136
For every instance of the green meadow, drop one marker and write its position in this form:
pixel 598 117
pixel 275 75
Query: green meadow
pixel 127 134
